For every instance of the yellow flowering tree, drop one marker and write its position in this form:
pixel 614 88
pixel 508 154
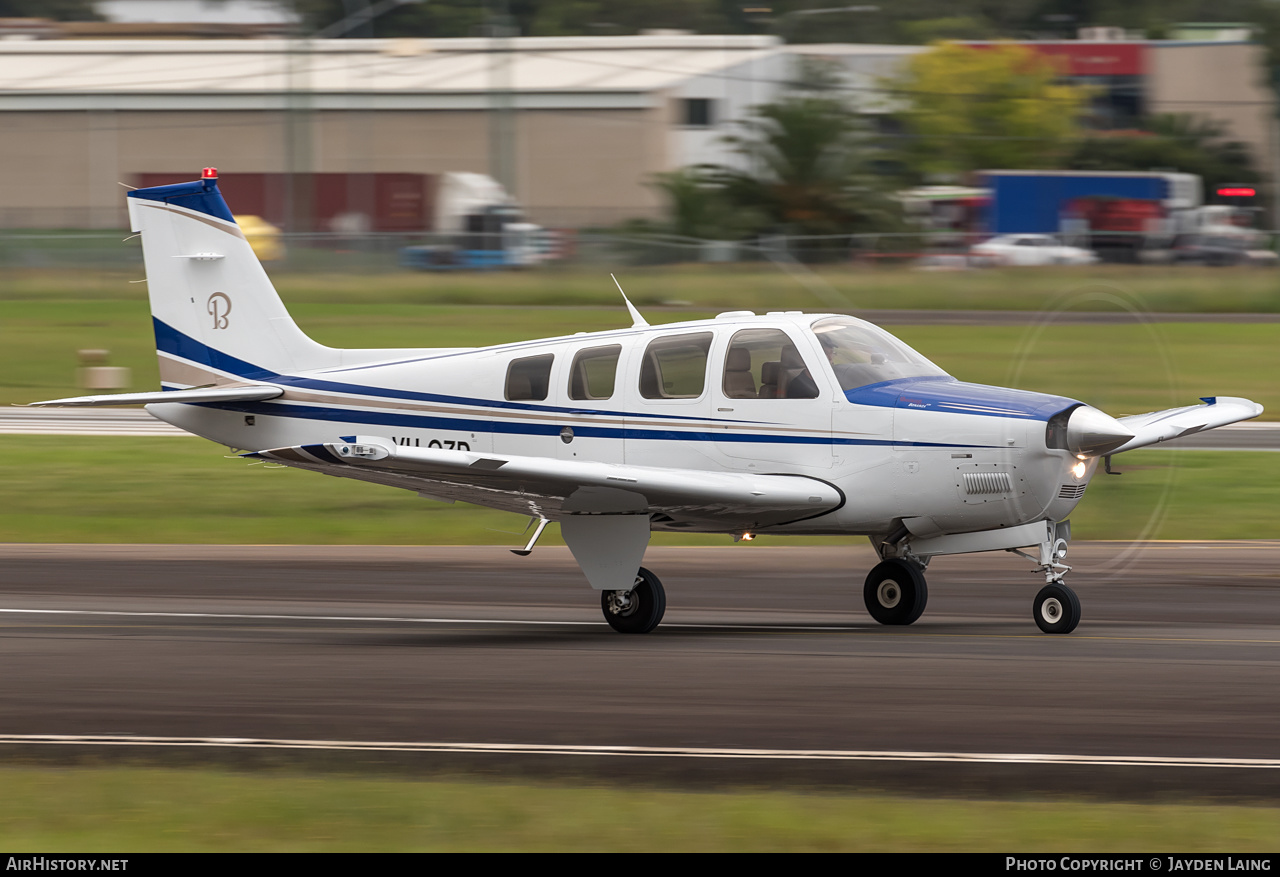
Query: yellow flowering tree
pixel 999 105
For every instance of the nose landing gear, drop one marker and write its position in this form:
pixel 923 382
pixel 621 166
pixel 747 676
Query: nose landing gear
pixel 1056 609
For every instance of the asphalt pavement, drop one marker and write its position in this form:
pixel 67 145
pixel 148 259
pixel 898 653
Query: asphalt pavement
pixel 484 661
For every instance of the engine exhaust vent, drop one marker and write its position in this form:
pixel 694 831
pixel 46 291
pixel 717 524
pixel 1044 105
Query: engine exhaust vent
pixel 979 483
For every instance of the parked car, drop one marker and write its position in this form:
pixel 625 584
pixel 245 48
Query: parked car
pixel 1028 249
pixel 1224 248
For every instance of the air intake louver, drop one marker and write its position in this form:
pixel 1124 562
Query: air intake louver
pixel 977 483
pixel 1071 491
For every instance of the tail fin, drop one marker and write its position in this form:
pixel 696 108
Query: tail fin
pixel 215 311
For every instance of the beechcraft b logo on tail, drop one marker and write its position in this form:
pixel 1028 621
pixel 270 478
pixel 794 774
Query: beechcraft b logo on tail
pixel 219 307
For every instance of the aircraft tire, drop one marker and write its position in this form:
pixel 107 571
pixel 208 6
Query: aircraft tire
pixel 1056 609
pixel 638 610
pixel 895 592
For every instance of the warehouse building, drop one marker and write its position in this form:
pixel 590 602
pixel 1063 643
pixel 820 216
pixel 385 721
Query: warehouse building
pixel 576 127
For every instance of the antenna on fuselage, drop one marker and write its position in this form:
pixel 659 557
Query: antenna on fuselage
pixel 637 321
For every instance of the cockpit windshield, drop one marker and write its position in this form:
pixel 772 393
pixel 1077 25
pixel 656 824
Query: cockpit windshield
pixel 862 354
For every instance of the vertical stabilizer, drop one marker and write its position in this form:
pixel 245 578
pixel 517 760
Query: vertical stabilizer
pixel 216 314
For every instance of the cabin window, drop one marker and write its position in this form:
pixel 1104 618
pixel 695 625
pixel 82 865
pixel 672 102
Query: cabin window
pixel 528 378
pixel 765 364
pixel 593 373
pixel 675 367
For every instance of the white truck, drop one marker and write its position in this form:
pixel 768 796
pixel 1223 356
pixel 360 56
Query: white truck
pixel 478 225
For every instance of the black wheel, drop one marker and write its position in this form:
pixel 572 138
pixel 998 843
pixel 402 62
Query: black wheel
pixel 638 610
pixel 1056 609
pixel 895 592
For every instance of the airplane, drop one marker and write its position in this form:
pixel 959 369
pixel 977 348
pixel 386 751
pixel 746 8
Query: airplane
pixel 781 423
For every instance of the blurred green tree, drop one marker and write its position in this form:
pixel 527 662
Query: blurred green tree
pixel 1179 142
pixel 469 18
pixel 967 108
pixel 60 10
pixel 807 168
pixel 698 208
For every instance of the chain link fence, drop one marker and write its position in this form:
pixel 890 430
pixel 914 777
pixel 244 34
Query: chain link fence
pixel 377 253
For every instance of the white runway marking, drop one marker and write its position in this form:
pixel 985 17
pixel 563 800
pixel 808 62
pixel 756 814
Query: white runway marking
pixel 382 618
pixel 639 751
pixel 243 616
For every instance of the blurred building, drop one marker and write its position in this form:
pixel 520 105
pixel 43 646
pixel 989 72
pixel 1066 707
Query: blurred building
pixel 1215 73
pixel 576 127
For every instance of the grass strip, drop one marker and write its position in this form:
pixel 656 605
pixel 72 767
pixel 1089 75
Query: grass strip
pixel 184 490
pixel 109 810
pixel 760 286
pixel 1123 368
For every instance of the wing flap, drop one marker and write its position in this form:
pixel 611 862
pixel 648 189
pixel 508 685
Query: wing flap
pixel 242 393
pixel 1173 423
pixel 724 501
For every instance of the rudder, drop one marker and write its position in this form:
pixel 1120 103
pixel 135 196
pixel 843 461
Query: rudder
pixel 217 315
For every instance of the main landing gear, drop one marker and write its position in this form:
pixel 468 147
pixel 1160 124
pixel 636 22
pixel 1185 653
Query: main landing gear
pixel 638 610
pixel 895 592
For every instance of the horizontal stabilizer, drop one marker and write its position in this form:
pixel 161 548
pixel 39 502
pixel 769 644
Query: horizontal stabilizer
pixel 250 393
pixel 1173 423
pixel 720 501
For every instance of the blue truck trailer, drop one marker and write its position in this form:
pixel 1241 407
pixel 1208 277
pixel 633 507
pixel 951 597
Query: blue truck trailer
pixel 1037 202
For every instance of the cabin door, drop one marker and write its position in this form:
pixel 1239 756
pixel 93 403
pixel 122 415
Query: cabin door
pixel 592 421
pixel 771 410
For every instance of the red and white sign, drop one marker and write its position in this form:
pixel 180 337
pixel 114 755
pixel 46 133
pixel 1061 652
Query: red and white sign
pixel 1083 58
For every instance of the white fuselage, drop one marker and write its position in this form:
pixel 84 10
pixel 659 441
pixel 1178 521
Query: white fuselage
pixel 934 454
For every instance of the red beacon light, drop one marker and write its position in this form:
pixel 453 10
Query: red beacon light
pixel 209 173
pixel 1237 192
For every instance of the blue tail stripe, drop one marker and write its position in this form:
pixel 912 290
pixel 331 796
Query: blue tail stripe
pixel 201 196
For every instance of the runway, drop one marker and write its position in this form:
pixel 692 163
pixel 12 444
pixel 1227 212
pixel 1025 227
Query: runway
pixel 1167 685
pixel 1250 436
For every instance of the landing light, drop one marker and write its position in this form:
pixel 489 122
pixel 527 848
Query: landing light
pixel 1078 469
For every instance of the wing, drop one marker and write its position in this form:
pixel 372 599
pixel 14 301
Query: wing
pixel 722 502
pixel 240 393
pixel 1161 426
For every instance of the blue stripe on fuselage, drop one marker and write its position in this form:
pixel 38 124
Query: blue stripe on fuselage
pixel 506 427
pixel 170 340
pixel 946 394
